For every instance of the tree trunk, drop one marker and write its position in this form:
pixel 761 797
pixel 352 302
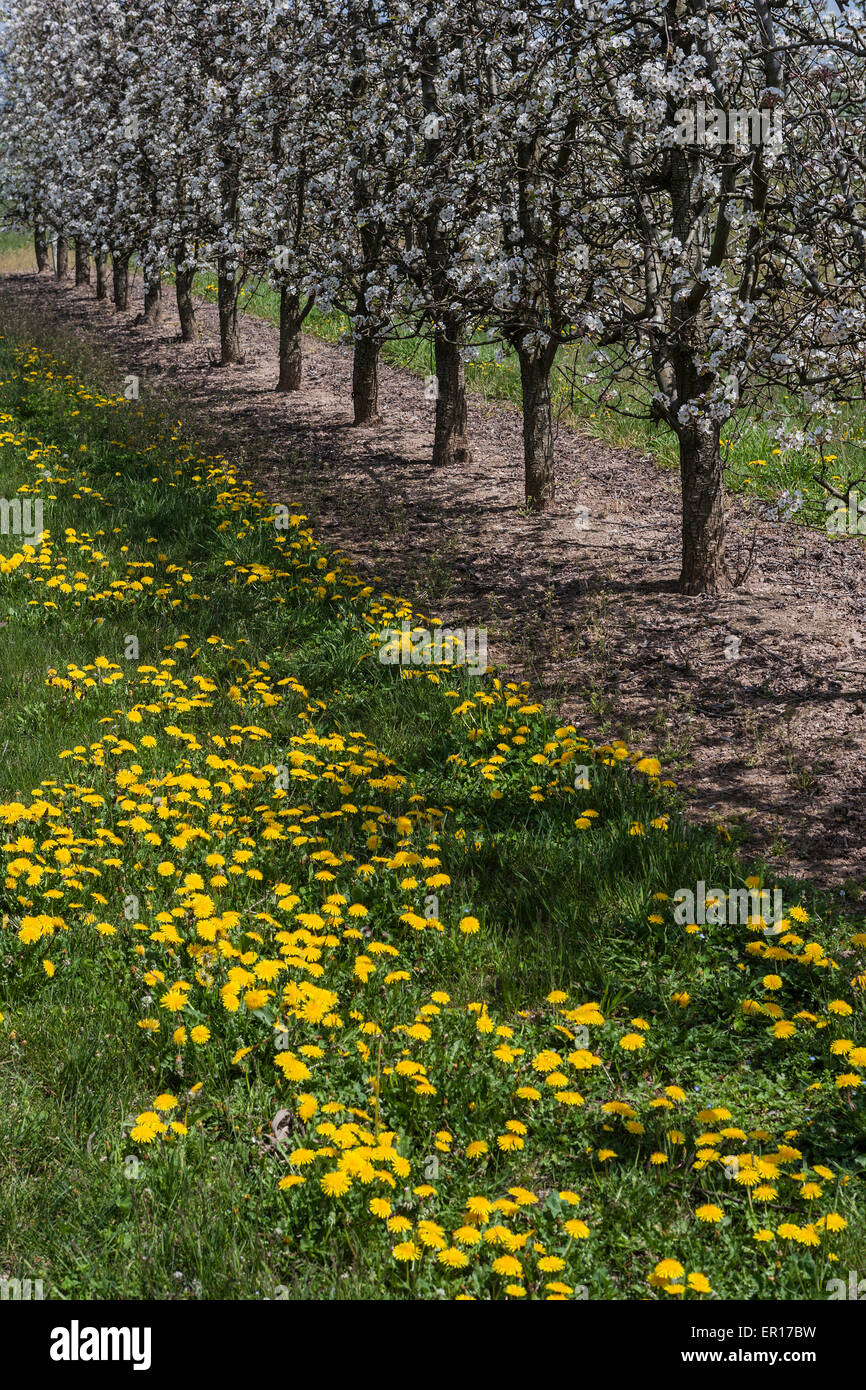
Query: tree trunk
pixel 186 310
pixel 537 429
pixel 101 277
pixel 290 341
pixel 365 381
pixel 40 246
pixel 228 289
pixel 120 272
pixel 61 258
pixel 82 263
pixel 153 300
pixel 450 444
pixel 704 568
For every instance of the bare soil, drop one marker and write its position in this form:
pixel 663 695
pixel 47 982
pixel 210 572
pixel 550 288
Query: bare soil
pixel 767 732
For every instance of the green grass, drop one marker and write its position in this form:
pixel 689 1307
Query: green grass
pixel 254 645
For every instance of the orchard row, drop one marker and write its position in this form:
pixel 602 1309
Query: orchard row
pixel 667 196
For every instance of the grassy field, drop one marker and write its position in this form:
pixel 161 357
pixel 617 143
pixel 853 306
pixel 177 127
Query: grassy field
pixel 326 977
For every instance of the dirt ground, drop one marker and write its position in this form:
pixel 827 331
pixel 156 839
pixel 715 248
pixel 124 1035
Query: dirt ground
pixel 767 731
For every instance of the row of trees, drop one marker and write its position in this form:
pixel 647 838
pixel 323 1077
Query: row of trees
pixel 475 172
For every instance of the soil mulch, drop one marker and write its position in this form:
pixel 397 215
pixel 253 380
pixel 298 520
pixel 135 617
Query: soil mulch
pixel 772 739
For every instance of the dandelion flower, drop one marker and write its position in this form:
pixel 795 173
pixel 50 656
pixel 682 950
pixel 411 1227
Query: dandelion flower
pixel 406 1251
